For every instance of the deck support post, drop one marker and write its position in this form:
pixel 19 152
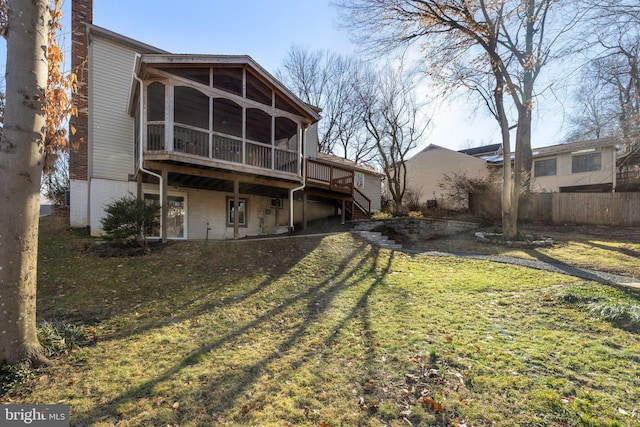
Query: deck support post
pixel 304 211
pixel 165 205
pixel 236 209
pixel 139 185
pixel 342 212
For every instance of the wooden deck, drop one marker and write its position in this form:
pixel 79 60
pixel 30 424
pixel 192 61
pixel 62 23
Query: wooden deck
pixel 329 177
pixel 222 152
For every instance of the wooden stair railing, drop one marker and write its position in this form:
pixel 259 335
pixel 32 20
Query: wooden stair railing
pixel 362 201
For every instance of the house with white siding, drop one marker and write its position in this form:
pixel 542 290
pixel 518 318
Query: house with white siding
pixel 226 149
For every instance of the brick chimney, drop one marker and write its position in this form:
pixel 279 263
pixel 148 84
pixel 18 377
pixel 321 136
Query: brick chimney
pixel 81 15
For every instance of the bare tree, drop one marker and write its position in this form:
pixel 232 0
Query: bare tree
pixel 512 40
pixel 330 81
pixel 393 119
pixel 595 113
pixel 609 97
pixel 55 180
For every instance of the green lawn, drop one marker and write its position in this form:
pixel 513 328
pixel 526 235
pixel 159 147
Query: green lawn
pixel 326 332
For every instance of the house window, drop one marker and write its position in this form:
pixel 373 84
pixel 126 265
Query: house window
pixel 176 215
pixel 232 211
pixel 586 163
pixel 545 167
pixel 359 178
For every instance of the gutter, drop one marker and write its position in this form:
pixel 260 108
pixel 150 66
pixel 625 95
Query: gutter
pixel 140 139
pixel 303 141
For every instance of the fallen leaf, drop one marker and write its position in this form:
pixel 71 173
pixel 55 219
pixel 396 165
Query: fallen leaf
pixel 370 385
pixel 426 400
pixel 71 382
pixel 449 339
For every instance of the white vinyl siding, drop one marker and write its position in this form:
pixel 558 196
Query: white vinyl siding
pixel 311 143
pixel 79 210
pixel 111 128
pixel 372 189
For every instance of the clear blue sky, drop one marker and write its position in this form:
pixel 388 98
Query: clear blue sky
pixel 265 30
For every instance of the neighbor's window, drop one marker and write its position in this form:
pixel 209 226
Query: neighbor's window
pixel 586 163
pixel 545 167
pixel 232 212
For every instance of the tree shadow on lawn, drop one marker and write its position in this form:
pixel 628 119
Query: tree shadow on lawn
pixel 170 303
pixel 596 276
pixel 616 249
pixel 319 299
pixel 583 273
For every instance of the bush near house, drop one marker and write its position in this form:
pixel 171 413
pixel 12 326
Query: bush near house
pixel 130 221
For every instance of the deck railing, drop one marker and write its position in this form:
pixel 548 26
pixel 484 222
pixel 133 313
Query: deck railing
pixel 362 201
pixel 330 177
pixel 628 177
pixel 222 147
pixel 226 148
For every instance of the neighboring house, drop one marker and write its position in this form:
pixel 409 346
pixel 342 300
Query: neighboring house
pixel 586 166
pixel 224 146
pixel 426 171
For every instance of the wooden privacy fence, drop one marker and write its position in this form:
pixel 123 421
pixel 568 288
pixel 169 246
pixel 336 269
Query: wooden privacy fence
pixel 565 208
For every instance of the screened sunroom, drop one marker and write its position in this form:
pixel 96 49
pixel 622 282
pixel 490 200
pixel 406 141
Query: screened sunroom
pixel 220 112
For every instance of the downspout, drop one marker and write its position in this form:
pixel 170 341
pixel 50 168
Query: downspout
pixel 304 178
pixel 141 134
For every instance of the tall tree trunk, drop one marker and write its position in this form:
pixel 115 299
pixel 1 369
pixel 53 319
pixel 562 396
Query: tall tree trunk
pixel 523 155
pixel 509 211
pixel 21 162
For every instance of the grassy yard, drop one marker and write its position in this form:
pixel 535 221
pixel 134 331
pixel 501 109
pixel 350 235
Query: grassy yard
pixel 327 332
pixel 614 250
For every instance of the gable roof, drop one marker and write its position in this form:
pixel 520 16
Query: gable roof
pixel 158 60
pixel 550 150
pixel 148 54
pixel 349 164
pixel 575 146
pixel 450 152
pixel 119 38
